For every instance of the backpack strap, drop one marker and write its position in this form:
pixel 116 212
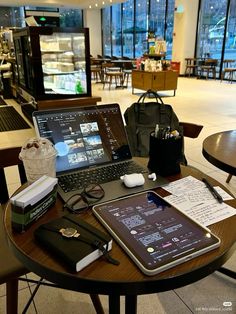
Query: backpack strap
pixel 141 106
pixel 147 93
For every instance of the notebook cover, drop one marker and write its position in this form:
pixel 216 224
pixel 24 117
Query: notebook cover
pixel 74 253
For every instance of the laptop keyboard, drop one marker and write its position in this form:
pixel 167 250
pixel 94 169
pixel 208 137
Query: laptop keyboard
pixel 78 180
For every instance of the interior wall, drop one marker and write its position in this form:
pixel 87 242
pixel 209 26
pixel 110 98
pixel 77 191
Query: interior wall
pixel 92 20
pixel 184 32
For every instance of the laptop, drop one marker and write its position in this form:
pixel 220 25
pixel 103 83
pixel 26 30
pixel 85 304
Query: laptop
pixel 92 147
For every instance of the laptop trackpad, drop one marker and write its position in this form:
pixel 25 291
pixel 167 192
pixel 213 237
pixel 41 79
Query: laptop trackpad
pixel 117 189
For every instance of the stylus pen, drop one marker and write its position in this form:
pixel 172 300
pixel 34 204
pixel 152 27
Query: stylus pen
pixel 213 191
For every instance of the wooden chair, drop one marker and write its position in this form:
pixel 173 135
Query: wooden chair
pixel 191 66
pixel 110 72
pixel 228 70
pixel 190 129
pixel 208 67
pixel 96 73
pixel 10 268
pixel 127 70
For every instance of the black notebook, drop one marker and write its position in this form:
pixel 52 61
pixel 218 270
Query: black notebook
pixel 75 252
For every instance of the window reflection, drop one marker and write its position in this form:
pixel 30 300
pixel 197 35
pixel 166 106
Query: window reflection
pixel 230 43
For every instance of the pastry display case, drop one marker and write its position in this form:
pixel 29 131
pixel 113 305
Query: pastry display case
pixel 52 62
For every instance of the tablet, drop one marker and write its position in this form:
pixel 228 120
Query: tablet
pixel 156 235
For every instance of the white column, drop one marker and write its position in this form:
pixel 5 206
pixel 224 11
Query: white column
pixel 184 32
pixel 92 20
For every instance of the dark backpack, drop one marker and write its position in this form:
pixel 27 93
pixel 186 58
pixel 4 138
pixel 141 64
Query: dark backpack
pixel 141 119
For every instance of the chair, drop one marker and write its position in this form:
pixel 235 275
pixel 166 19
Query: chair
pixel 110 72
pixel 190 129
pixel 208 67
pixel 127 70
pixel 191 66
pixel 10 268
pixel 96 71
pixel 228 70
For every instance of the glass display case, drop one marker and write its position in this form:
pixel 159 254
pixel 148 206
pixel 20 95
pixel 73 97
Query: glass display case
pixel 53 63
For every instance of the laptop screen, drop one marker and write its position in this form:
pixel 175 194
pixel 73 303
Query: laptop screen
pixel 84 136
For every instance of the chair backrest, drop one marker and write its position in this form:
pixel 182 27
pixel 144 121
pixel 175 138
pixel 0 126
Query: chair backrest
pixel 128 65
pixel 190 129
pixel 211 62
pixel 9 157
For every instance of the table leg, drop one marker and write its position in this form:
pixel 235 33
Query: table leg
pixel 130 304
pixel 97 303
pixel 114 304
pixel 229 178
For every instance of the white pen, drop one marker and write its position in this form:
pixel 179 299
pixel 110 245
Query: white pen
pixel 156 130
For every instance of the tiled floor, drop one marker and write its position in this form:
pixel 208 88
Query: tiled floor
pixel 210 103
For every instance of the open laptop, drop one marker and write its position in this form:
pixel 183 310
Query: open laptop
pixel 91 141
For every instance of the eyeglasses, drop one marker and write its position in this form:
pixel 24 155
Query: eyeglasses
pixel 81 201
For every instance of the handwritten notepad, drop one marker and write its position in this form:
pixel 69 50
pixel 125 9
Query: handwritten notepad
pixel 191 196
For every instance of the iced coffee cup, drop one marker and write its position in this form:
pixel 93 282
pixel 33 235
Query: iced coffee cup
pixel 38 156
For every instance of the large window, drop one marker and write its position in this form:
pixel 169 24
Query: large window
pixel 71 17
pixel 106 28
pixel 217 31
pixel 128 28
pixel 134 19
pixel 141 27
pixel 12 16
pixel 116 30
pixel 169 27
pixel 211 28
pixel 230 42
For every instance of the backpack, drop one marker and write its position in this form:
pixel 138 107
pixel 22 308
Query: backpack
pixel 141 119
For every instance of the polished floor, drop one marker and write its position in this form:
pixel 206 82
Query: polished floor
pixel 207 102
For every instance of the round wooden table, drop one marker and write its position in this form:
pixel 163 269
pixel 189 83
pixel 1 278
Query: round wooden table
pixel 220 150
pixel 125 279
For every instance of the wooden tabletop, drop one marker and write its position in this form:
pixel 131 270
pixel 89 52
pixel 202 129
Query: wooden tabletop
pixel 101 277
pixel 220 150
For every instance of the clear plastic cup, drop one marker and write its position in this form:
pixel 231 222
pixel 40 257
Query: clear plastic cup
pixel 38 156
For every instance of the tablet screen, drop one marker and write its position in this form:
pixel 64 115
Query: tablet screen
pixel 156 235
